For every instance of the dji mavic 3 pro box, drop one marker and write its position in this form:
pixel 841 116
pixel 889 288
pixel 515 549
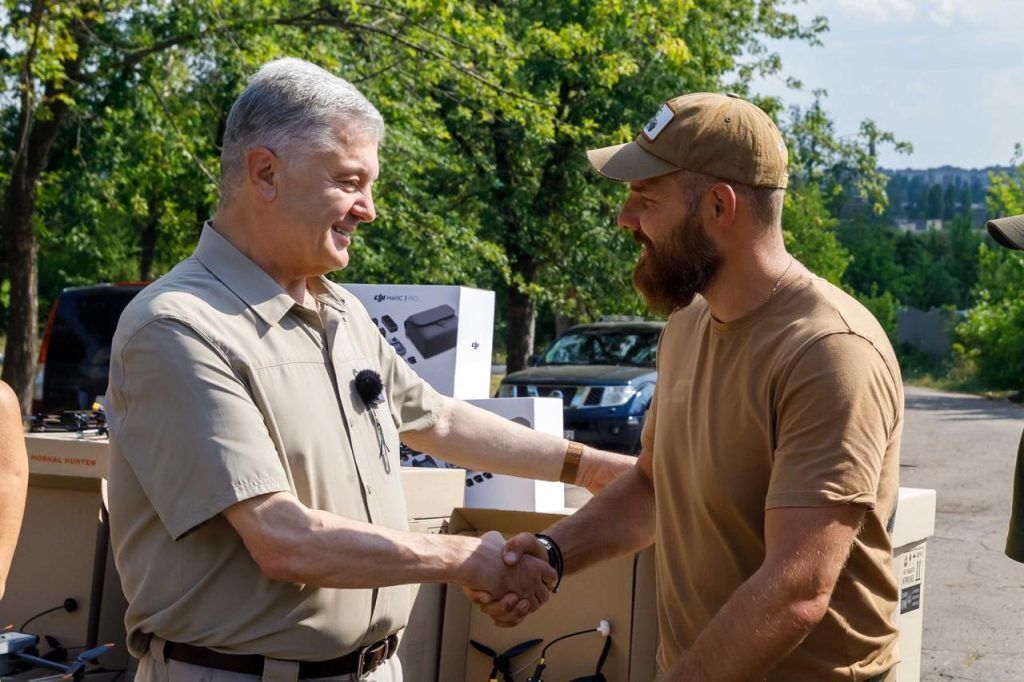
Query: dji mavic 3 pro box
pixel 445 333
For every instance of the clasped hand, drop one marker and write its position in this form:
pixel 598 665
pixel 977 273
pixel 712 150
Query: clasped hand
pixel 508 580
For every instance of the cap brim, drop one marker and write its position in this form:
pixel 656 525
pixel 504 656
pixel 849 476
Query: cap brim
pixel 1008 232
pixel 628 162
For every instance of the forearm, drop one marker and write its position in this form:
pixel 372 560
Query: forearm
pixel 767 615
pixel 618 520
pixel 301 545
pixel 473 438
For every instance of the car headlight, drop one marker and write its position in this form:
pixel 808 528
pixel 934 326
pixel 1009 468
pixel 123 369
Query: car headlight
pixel 617 395
pixel 506 391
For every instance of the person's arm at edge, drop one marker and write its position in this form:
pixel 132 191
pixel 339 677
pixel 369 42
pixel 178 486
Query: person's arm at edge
pixel 618 520
pixel 473 438
pixel 776 608
pixel 13 478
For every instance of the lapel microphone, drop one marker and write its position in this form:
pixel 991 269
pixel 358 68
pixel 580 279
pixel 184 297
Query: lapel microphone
pixel 370 388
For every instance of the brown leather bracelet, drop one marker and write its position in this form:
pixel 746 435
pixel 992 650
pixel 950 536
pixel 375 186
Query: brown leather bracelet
pixel 571 464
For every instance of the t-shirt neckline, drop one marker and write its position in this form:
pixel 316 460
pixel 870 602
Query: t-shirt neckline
pixel 760 311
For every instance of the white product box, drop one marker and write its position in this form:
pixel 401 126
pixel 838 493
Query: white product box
pixel 445 333
pixel 914 524
pixel 486 490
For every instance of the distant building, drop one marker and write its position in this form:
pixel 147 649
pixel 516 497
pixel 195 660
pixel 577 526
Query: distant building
pixel 918 224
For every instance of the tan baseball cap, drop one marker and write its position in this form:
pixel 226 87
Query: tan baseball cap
pixel 1008 232
pixel 704 132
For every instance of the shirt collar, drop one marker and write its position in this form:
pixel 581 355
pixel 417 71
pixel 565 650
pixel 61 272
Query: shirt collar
pixel 327 293
pixel 248 281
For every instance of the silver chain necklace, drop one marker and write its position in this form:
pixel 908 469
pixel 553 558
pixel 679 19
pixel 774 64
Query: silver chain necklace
pixel 778 282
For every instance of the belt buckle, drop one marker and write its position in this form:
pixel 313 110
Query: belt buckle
pixel 369 655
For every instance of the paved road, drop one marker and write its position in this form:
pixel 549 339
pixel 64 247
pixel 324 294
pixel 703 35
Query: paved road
pixel 965 447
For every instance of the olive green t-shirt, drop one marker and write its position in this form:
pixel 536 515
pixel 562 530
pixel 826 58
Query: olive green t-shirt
pixel 222 388
pixel 798 404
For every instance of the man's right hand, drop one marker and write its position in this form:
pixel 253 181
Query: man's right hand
pixel 510 608
pixel 497 574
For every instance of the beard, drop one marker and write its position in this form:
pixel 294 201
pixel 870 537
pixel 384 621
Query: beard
pixel 670 275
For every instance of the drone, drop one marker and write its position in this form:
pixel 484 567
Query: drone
pixel 82 422
pixel 502 663
pixel 18 650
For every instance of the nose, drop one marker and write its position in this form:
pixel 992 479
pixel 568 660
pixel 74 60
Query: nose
pixel 627 219
pixel 364 209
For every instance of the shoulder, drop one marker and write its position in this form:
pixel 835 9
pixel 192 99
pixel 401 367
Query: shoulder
pixel 10 406
pixel 188 294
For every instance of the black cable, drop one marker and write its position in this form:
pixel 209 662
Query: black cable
pixel 69 605
pixel 544 651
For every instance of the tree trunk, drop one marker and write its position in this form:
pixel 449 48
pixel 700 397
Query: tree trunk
pixel 22 251
pixel 35 134
pixel 522 324
pixel 148 244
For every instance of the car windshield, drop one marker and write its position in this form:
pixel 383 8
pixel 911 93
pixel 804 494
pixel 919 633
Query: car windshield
pixel 599 347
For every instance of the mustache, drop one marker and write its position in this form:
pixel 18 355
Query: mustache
pixel 642 240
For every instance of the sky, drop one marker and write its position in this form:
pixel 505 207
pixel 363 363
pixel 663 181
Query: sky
pixel 945 75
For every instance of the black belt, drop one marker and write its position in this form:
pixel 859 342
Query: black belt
pixel 358 663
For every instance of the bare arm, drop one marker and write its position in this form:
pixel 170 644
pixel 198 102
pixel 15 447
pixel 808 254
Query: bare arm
pixel 293 543
pixel 13 478
pixel 471 437
pixel 781 603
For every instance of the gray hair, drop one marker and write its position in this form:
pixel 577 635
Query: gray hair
pixel 290 104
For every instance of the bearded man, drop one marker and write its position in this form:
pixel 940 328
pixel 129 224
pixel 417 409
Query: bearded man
pixel 770 456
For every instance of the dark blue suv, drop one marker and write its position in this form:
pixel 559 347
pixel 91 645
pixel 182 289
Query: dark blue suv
pixel 604 373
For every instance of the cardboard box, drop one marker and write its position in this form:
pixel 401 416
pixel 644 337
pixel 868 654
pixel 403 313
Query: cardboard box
pixel 495 491
pixel 445 333
pixel 621 591
pixel 430 497
pixel 914 524
pixel 68 454
pixel 63 549
pixel 432 494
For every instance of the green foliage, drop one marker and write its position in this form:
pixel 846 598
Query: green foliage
pixel 992 336
pixel 809 231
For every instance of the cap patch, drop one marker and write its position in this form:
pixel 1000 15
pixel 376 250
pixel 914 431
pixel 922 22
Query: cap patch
pixel 658 123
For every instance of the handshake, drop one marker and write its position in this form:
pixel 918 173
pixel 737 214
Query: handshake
pixel 507 580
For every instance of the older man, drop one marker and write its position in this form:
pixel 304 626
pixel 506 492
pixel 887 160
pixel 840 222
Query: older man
pixel 256 512
pixel 770 454
pixel 1009 232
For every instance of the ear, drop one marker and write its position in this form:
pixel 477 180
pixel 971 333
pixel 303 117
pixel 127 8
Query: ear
pixel 720 204
pixel 261 171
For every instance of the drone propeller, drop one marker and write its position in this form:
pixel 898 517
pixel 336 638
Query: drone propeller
pixel 503 661
pixel 85 657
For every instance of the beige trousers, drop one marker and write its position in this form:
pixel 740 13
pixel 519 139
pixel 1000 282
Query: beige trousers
pixel 153 667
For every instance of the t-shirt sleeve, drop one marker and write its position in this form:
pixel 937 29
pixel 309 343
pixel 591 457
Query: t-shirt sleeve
pixel 836 415
pixel 415 405
pixel 188 427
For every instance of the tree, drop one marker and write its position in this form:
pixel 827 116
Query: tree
pixel 70 65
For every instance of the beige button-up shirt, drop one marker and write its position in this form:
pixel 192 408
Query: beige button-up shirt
pixel 222 388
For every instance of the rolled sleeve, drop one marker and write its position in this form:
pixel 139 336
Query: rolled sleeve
pixel 188 427
pixel 836 415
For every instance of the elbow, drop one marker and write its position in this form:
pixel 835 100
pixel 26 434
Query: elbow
pixel 808 608
pixel 281 556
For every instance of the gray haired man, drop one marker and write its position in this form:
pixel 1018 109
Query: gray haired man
pixel 258 522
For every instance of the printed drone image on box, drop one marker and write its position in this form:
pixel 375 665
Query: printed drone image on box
pixel 496 491
pixel 445 333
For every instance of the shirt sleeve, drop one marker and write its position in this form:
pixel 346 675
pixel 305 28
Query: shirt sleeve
pixel 415 405
pixel 836 415
pixel 188 427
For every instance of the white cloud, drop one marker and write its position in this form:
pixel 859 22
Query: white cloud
pixel 947 12
pixel 883 11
